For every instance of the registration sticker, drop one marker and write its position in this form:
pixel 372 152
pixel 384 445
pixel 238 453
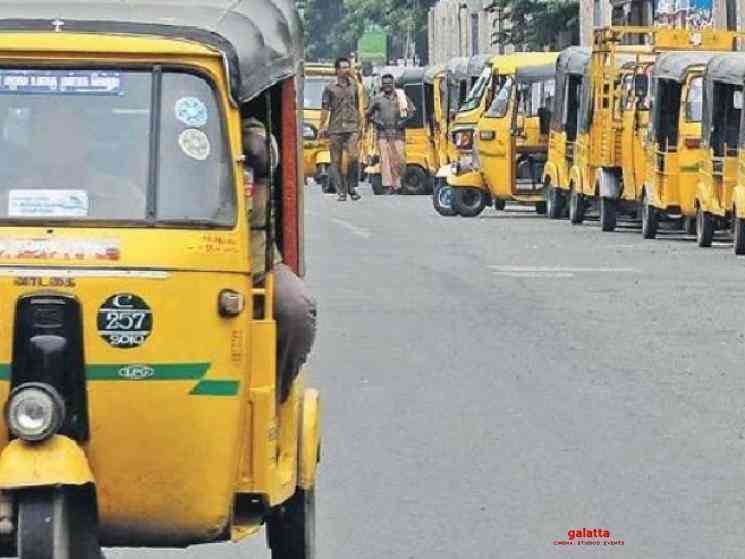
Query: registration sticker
pixel 47 203
pixel 191 111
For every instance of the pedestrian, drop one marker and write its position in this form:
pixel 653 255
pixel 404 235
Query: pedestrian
pixel 389 112
pixel 340 122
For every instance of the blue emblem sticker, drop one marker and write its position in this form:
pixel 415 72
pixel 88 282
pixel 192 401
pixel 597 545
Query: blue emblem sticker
pixel 191 111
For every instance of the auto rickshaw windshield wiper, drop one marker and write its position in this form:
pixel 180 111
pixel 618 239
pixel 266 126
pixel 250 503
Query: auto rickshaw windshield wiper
pixel 193 222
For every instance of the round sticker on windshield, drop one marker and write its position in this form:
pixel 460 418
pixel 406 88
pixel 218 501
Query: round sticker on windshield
pixel 195 144
pixel 191 111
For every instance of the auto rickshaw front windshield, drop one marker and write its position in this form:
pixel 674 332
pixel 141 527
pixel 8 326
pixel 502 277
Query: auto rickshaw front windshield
pixel 115 146
pixel 477 91
pixel 314 91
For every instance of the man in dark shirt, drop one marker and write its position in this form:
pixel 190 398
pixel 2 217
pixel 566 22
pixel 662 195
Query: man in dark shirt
pixel 389 112
pixel 340 121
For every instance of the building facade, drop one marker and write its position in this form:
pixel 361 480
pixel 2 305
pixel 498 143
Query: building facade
pixel 721 14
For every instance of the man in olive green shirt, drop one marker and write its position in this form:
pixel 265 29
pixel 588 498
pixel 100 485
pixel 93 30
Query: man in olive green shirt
pixel 340 122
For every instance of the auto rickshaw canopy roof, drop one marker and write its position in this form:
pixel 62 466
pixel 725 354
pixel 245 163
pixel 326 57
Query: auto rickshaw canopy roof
pixel 675 66
pixel 512 63
pixel 432 71
pixel 573 60
pixel 457 69
pixel 477 63
pixel 531 74
pixel 261 40
pixel 726 68
pixel 411 75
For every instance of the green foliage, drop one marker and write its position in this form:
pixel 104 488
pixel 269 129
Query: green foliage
pixel 535 24
pixel 333 27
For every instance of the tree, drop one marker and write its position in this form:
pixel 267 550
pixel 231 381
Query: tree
pixel 537 24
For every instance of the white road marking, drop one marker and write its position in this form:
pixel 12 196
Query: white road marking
pixel 359 231
pixel 553 272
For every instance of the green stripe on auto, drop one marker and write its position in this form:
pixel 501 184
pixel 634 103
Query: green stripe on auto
pixel 159 372
pixel 216 388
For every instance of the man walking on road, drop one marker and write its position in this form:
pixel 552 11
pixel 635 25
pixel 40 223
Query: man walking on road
pixel 389 112
pixel 340 121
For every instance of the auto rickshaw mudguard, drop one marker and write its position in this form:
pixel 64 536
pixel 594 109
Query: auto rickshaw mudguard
pixel 310 439
pixel 472 179
pixel 703 196
pixel 56 461
pixel 738 201
pixel 609 184
pixel 575 178
pixel 551 174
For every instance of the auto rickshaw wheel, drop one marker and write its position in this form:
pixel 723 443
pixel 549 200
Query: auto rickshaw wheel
pixel 576 207
pixel 540 208
pixel 57 523
pixel 469 202
pixel 608 208
pixel 704 228
pixel 554 202
pixel 738 233
pixel 376 182
pixel 442 199
pixel 415 180
pixel 291 529
pixel 649 219
pixel 499 205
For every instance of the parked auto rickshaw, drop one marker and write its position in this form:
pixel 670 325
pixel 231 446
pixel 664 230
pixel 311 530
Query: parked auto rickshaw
pixel 316 154
pixel 510 148
pixel 421 154
pixel 674 143
pixel 571 67
pixel 453 91
pixel 137 356
pixel 470 193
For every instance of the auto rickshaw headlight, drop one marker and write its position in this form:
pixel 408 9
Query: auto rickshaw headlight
pixel 34 412
pixel 309 132
pixel 231 303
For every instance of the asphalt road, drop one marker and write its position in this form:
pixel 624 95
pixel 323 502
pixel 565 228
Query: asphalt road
pixel 492 383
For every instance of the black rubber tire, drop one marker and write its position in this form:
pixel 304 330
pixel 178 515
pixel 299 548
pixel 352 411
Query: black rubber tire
pixel 499 205
pixel 540 208
pixel 554 202
pixel 576 207
pixel 649 219
pixel 442 199
pixel 376 183
pixel 704 228
pixel 415 181
pixel 689 225
pixel 738 234
pixel 608 214
pixel 291 528
pixel 469 202
pixel 56 523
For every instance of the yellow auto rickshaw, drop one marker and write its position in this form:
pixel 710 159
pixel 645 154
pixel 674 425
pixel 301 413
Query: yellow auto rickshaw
pixel 470 193
pixel 715 202
pixel 453 90
pixel 511 144
pixel 141 402
pixel 738 196
pixel 571 67
pixel 674 142
pixel 316 156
